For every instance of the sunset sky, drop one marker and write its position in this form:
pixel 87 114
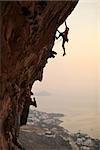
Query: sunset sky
pixel 71 84
pixel 76 75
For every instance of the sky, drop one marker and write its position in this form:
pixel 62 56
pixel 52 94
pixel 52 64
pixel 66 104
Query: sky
pixel 71 84
pixel 76 75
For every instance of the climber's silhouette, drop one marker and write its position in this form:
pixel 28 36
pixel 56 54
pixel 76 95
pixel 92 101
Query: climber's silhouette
pixel 64 36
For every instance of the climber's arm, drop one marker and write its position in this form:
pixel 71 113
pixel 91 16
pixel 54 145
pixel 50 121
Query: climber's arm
pixel 65 24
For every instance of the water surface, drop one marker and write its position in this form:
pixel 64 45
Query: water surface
pixel 83 115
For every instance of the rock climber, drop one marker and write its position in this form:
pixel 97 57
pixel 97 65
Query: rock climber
pixel 64 36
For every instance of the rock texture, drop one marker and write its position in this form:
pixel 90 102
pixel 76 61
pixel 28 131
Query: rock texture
pixel 27 36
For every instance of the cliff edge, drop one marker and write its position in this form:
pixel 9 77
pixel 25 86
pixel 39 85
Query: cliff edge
pixel 27 37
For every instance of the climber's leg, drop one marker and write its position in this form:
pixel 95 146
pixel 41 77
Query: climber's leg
pixel 63 46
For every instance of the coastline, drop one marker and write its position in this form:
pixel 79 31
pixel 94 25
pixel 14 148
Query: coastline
pixel 44 132
pixel 87 125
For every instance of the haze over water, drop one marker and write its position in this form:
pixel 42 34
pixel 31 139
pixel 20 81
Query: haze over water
pixel 71 84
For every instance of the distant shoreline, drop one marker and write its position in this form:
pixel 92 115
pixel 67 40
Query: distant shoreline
pixel 76 127
pixel 43 130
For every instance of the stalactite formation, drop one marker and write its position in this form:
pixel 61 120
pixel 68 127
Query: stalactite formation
pixel 27 36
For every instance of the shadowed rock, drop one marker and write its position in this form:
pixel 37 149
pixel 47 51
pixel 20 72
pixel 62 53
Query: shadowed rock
pixel 27 35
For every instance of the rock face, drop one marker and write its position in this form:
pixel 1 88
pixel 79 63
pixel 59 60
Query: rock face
pixel 27 37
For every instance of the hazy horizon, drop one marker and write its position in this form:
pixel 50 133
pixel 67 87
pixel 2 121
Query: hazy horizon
pixel 74 79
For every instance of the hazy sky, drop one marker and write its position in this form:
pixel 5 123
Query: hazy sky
pixel 76 75
pixel 71 84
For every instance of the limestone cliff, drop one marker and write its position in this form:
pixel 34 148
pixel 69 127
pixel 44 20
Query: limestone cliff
pixel 27 36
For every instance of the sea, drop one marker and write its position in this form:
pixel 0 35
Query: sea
pixel 79 115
